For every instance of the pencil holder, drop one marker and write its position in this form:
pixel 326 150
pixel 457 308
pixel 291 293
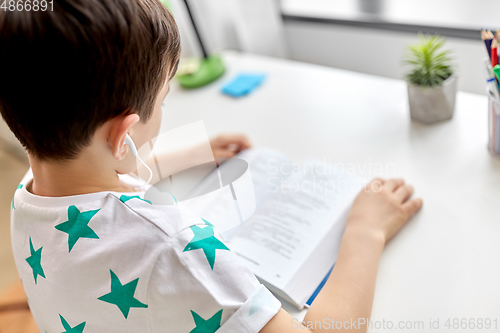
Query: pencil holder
pixel 494 125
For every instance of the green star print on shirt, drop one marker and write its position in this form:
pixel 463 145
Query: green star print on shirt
pixel 68 329
pixel 35 261
pixel 206 222
pixel 204 239
pixel 206 326
pixel 122 295
pixel 77 225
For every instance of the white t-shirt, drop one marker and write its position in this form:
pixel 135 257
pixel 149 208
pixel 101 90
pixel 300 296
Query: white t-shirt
pixel 113 262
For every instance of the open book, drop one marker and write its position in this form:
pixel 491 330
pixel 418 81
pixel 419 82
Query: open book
pixel 284 219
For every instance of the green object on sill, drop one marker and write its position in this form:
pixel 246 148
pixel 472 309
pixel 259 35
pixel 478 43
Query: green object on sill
pixel 209 70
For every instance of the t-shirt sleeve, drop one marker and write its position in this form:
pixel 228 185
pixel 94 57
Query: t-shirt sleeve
pixel 199 285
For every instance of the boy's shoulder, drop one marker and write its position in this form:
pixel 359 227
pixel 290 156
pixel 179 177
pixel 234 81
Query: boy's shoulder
pixel 170 219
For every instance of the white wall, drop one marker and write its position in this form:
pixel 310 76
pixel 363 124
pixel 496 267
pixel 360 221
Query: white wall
pixel 375 51
pixel 251 26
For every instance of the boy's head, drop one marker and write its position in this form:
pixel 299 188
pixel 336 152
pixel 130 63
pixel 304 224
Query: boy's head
pixel 69 72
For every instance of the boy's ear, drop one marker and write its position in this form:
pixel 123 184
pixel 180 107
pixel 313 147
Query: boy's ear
pixel 119 128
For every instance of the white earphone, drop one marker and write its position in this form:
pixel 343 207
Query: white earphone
pixel 131 144
pixel 128 141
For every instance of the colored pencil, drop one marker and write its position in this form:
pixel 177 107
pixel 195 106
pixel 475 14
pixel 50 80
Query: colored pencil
pixel 494 53
pixel 489 75
pixel 487 42
pixel 491 42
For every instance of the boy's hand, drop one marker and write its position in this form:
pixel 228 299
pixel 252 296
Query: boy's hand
pixel 382 208
pixel 228 145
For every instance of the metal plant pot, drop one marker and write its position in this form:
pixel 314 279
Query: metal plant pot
pixel 433 104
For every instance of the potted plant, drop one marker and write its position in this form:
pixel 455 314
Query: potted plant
pixel 432 84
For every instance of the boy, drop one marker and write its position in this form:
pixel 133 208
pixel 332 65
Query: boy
pixel 93 255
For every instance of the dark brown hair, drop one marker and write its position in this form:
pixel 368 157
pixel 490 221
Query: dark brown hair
pixel 65 72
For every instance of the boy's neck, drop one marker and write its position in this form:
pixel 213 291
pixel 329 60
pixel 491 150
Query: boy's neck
pixel 80 176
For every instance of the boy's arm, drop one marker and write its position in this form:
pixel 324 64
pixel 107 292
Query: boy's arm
pixel 223 146
pixel 377 214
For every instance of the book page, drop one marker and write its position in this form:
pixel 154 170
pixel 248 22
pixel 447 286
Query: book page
pixel 265 165
pixel 284 231
pixel 234 202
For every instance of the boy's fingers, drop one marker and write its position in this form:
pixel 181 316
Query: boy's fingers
pixel 241 140
pixel 403 192
pixel 226 139
pixel 375 185
pixel 393 184
pixel 412 206
pixel 223 153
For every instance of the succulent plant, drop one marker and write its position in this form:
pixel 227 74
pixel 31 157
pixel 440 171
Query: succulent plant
pixel 429 64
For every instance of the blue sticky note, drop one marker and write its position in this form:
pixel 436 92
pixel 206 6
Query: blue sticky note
pixel 242 84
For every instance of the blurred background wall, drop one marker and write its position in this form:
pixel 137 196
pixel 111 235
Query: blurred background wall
pixel 367 36
pixel 251 26
pixel 378 52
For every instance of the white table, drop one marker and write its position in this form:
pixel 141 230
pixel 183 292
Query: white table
pixel 445 263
